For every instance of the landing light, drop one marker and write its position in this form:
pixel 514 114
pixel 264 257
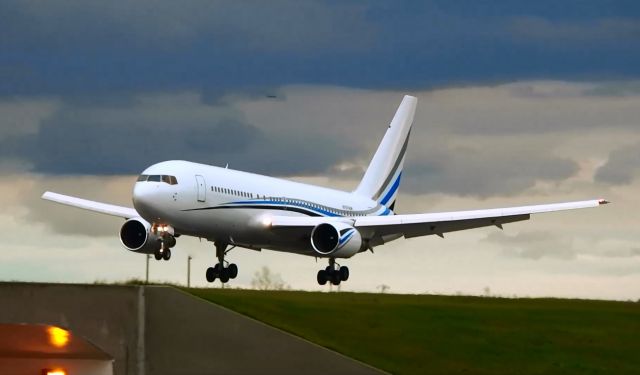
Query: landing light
pixel 266 221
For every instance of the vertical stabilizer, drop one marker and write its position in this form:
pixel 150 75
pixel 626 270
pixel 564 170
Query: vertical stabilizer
pixel 382 178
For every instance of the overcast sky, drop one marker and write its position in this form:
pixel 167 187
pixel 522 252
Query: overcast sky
pixel 520 102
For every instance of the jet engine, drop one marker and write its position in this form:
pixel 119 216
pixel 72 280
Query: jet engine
pixel 336 240
pixel 136 235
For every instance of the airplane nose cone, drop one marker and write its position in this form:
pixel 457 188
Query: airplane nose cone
pixel 143 199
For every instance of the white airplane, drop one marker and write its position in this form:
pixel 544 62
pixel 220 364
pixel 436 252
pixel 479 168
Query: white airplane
pixel 240 209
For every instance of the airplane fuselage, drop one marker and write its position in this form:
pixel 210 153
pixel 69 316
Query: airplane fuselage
pixel 232 206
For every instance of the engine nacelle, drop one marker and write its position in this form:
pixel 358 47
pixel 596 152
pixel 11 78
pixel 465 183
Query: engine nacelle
pixel 337 240
pixel 136 235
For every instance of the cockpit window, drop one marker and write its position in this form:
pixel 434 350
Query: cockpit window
pixel 171 180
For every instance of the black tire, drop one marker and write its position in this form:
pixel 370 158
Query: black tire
pixel 328 270
pixel 211 274
pixel 166 254
pixel 157 254
pixel 322 277
pixel 224 275
pixel 233 271
pixel 335 278
pixel 344 273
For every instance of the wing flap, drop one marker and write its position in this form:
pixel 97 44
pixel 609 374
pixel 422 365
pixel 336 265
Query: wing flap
pixel 440 228
pixel 103 208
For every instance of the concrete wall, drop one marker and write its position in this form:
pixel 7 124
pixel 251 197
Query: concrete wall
pixel 164 331
pixel 107 316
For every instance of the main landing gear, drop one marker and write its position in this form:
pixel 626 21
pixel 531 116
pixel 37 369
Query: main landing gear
pixel 333 273
pixel 219 270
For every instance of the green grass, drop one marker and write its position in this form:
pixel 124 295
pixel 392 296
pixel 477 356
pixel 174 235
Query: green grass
pixel 416 334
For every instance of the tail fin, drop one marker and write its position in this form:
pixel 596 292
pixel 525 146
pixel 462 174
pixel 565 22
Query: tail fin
pixel 382 178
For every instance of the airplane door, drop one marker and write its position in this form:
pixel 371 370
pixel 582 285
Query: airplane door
pixel 202 188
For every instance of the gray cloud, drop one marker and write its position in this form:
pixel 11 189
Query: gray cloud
pixel 622 167
pixel 591 31
pixel 22 116
pixel 476 141
pixel 484 172
pixel 118 137
pixel 616 89
pixel 256 25
pixel 622 253
pixel 534 245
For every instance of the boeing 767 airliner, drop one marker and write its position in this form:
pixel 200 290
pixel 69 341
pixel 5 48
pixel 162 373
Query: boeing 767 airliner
pixel 239 209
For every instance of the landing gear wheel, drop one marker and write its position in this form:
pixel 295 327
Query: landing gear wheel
pixel 224 275
pixel 219 270
pixel 335 278
pixel 233 271
pixel 166 254
pixel 344 273
pixel 211 274
pixel 322 277
pixel 157 254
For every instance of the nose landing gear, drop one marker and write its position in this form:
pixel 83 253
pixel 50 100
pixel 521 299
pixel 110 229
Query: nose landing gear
pixel 167 241
pixel 333 273
pixel 164 252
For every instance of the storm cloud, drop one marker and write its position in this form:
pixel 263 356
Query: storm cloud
pixel 78 47
pixel 124 138
pixel 622 167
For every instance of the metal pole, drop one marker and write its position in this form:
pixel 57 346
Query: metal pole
pixel 189 271
pixel 146 279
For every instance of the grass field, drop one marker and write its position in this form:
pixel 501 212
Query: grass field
pixel 420 334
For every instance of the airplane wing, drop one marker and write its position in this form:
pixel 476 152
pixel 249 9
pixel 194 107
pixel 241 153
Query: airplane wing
pixel 103 208
pixel 377 227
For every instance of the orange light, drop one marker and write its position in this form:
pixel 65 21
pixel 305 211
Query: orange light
pixel 58 337
pixel 54 372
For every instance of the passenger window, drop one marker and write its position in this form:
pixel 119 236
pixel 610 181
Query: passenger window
pixel 143 177
pixel 154 178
